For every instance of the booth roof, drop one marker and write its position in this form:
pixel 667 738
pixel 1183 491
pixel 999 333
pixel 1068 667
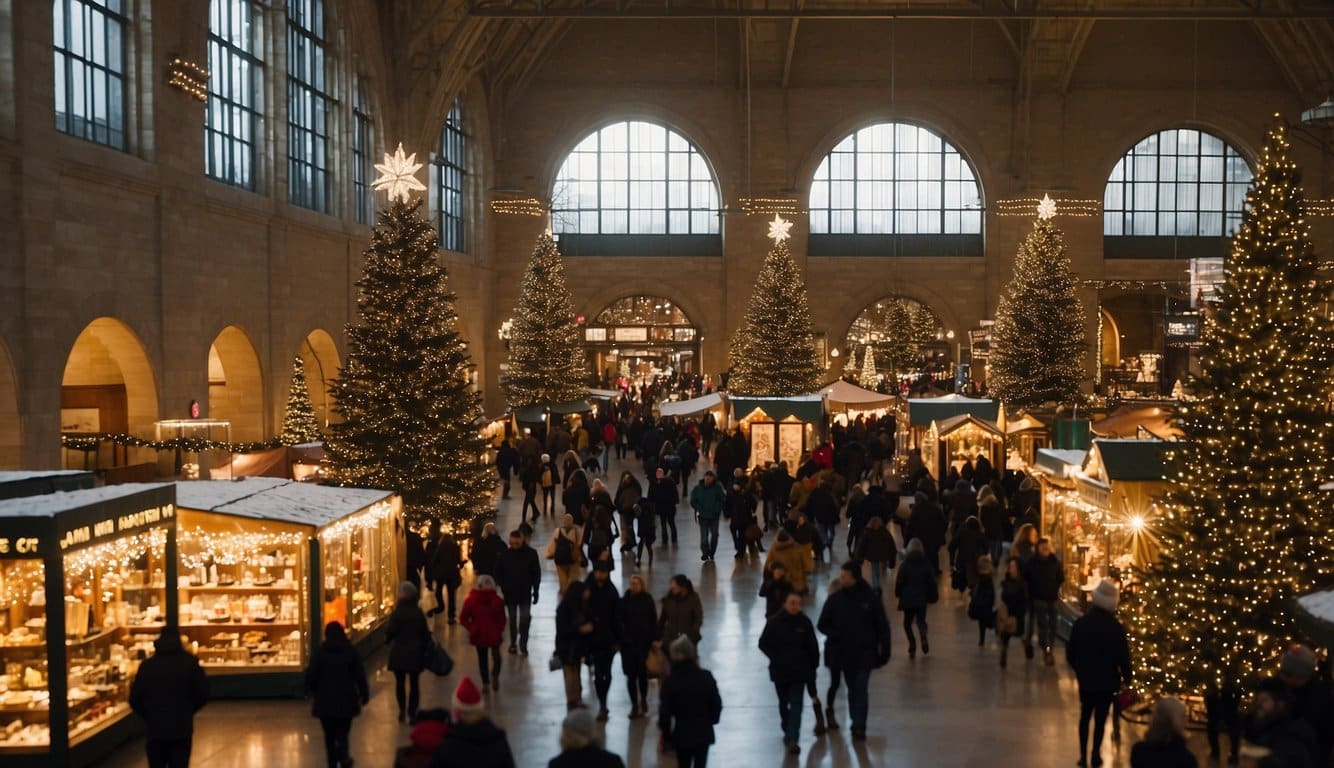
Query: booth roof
pixel 847 393
pixel 1131 460
pixel 692 406
pixel 809 408
pixel 946 426
pixel 52 504
pixel 1059 461
pixel 604 394
pixel 210 494
pixel 287 501
pixel 1126 421
pixel 924 410
pixel 20 476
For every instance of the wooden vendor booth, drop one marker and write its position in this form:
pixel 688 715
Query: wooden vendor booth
pixel 916 419
pixel 779 428
pixel 960 439
pixel 266 563
pixel 104 559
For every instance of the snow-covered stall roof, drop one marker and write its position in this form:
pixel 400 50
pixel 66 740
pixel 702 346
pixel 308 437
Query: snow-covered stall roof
pixel 692 406
pixel 33 482
pixel 52 504
pixel 282 500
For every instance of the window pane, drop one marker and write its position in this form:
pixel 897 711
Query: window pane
pixel 1191 168
pixel 89 69
pixel 231 120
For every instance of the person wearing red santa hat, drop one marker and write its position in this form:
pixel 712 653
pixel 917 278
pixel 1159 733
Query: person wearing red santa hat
pixel 473 741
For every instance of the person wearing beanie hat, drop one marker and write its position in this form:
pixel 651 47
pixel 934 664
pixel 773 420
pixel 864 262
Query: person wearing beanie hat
pixel 689 706
pixel 1099 653
pixel 472 741
pixel 580 745
pixel 1312 700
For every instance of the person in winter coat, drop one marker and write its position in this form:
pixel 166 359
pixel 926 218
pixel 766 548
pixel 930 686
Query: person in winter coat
pixel 446 562
pixel 1274 726
pixel 662 493
pixel 580 746
pixel 915 587
pixel 530 477
pixel 1025 545
pixel 682 612
pixel 876 547
pixel 485 549
pixel 689 456
pixel 1100 656
pixel 1014 605
pixel 969 543
pixel 1312 700
pixel 857 631
pixel 927 523
pixel 1164 744
pixel 574 627
pixel 637 617
pixel 962 502
pixel 982 599
pixel 627 496
pixel 566 551
pixel 483 615
pixel 337 681
pixel 789 641
pixel 775 588
pixel 822 508
pixel 1044 575
pixel 794 557
pixel 689 705
pixel 472 741
pixel 548 479
pixel 603 605
pixel 600 529
pixel 408 636
pixel 168 690
pixel 708 500
pixel 740 512
pixel 859 515
pixel 576 496
pixel 991 513
pixel 519 576
pixel 646 519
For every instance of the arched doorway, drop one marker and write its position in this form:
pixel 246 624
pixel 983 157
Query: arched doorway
pixel 639 338
pixel 1109 340
pixel 908 342
pixel 108 386
pixel 11 429
pixel 322 362
pixel 236 385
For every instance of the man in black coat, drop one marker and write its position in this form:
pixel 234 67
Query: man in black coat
pixel 1044 574
pixel 794 655
pixel 689 705
pixel 519 575
pixel 167 692
pixel 507 463
pixel 1100 655
pixel 927 523
pixel 1274 725
pixel 853 621
pixel 1312 700
pixel 604 603
pixel 444 568
pixel 662 493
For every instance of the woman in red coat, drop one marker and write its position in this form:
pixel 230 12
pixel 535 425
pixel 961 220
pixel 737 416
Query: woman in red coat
pixel 483 615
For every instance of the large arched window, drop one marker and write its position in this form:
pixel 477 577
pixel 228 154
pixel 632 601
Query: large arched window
pixel 451 168
pixel 1176 183
pixel 635 178
pixel 236 74
pixel 892 180
pixel 310 101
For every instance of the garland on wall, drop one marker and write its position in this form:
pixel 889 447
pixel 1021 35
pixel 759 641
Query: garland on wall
pixel 84 442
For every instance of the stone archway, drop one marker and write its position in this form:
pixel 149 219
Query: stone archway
pixel 109 386
pixel 320 355
pixel 905 336
pixel 11 425
pixel 236 384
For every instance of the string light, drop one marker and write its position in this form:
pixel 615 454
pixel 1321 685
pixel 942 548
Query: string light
pixel 199 547
pixel 121 554
pixel 1078 208
pixel 371 517
pixel 189 77
pixel 186 444
pixel 518 206
pixel 770 206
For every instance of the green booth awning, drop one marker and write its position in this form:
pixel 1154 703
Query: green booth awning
pixel 532 414
pixel 923 411
pixel 808 408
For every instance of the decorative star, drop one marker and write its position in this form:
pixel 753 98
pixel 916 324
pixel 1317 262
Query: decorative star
pixel 778 229
pixel 1046 208
pixel 397 175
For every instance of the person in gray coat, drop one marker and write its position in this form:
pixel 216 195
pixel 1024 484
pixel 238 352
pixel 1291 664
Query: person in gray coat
pixel 408 637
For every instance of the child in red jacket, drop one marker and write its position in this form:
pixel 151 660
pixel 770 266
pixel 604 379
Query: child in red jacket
pixel 483 615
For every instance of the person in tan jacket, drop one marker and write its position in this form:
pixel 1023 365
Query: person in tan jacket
pixel 795 558
pixel 566 551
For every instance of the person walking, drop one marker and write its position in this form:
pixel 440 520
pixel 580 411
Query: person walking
pixel 646 519
pixel 982 599
pixel 927 523
pixel 484 551
pixel 689 706
pixel 689 456
pixel 573 629
pixel 566 552
pixel 576 495
pixel 507 463
pixel 789 642
pixel 548 478
pixel 603 602
pixel 1013 609
pixel 1164 743
pixel 775 588
pixel 1044 575
pixel 916 588
pixel 1100 656
pixel 991 513
pixel 519 576
pixel 708 500
pixel 408 636
pixel 740 512
pixel 662 493
pixel 637 630
pixel 857 634
pixel 682 613
pixel 795 558
pixel 530 476
pixel 580 746
pixel 168 690
pixel 822 508
pixel 336 680
pixel 446 562
pixel 483 615
pixel 875 546
pixel 472 741
pixel 968 545
pixel 628 493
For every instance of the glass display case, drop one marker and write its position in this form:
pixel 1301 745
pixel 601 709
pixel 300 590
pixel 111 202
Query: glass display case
pixel 362 565
pixel 25 700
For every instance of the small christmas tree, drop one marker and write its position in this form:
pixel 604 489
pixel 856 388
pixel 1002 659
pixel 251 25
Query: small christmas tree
pixel 546 362
pixel 869 378
pixel 1245 527
pixel 773 352
pixel 850 368
pixel 299 422
pixel 1038 343
pixel 410 414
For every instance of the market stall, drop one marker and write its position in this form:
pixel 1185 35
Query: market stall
pixel 105 556
pixel 713 402
pixel 916 419
pixel 266 563
pixel 1024 435
pixel 846 399
pixel 1139 422
pixel 779 428
pixel 959 439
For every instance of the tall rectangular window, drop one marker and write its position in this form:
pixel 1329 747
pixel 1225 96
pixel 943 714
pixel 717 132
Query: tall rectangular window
pixel 451 169
pixel 89 42
pixel 232 117
pixel 308 106
pixel 363 154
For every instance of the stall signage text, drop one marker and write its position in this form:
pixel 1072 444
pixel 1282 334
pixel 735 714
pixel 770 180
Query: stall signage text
pixel 24 545
pixel 115 525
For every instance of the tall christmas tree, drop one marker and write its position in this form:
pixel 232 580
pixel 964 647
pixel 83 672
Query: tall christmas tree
pixel 299 422
pixel 773 352
pixel 1245 527
pixel 546 363
pixel 1038 343
pixel 869 377
pixel 410 415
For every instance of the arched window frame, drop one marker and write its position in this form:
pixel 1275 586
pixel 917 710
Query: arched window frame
pixel 90 40
pixel 363 154
pixel 895 188
pixel 310 105
pixel 636 187
pixel 232 117
pixel 451 174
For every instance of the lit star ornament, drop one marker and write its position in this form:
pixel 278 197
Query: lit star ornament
pixel 778 229
pixel 1046 208
pixel 397 175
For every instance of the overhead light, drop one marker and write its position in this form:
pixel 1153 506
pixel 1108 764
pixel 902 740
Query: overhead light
pixel 1321 114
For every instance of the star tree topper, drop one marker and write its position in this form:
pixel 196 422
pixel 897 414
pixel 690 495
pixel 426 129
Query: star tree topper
pixel 397 175
pixel 778 229
pixel 1046 208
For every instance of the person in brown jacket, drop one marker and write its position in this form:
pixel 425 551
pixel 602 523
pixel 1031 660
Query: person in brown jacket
pixel 796 558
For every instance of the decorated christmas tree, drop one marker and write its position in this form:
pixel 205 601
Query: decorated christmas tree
pixel 410 414
pixel 773 352
pixel 546 362
pixel 299 422
pixel 869 377
pixel 1038 343
pixel 1244 527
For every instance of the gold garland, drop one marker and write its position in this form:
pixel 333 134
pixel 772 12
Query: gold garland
pixel 188 444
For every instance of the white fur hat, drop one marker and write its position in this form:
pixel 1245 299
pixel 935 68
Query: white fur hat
pixel 1105 596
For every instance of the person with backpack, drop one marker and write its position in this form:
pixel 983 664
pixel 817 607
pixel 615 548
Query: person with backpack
pixel 565 550
pixel 548 480
pixel 689 706
pixel 336 680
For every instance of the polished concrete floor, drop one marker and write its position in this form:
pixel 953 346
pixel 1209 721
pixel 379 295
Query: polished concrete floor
pixel 955 707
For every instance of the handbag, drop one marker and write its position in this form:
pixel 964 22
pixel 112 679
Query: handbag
pixel 1006 625
pixel 754 532
pixel 656 664
pixel 438 660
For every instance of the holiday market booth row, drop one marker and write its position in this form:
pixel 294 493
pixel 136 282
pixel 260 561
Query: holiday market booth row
pixel 249 571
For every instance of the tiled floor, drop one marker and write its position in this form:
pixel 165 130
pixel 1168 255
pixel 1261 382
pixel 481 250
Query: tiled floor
pixel 953 708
